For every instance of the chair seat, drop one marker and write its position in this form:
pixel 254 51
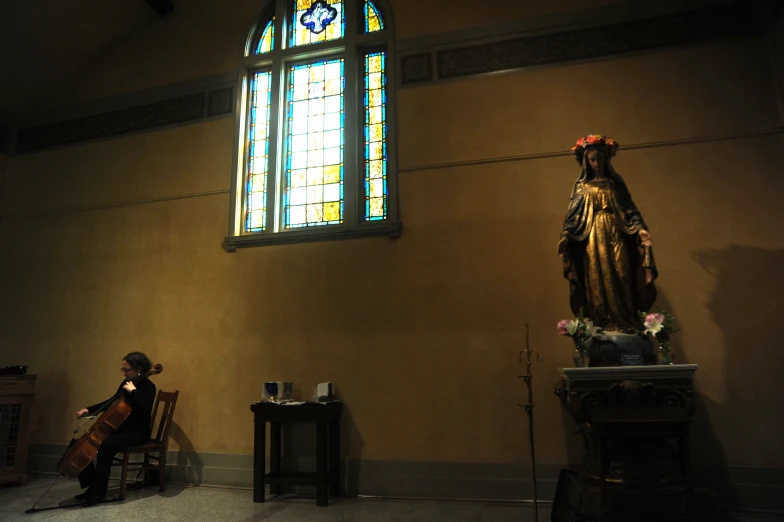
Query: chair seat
pixel 149 446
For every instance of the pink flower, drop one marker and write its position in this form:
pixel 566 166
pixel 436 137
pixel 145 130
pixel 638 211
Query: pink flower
pixel 563 327
pixel 654 323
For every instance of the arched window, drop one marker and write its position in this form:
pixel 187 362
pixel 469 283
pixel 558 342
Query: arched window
pixel 315 128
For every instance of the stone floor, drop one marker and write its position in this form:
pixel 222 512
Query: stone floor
pixel 196 504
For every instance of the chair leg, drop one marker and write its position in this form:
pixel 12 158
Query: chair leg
pixel 162 470
pixel 124 475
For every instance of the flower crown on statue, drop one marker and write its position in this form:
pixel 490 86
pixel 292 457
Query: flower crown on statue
pixel 594 140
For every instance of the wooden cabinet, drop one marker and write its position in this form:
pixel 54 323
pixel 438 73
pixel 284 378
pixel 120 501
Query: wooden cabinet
pixel 19 420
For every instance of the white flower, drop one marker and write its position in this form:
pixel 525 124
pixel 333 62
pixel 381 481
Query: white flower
pixel 590 329
pixel 571 326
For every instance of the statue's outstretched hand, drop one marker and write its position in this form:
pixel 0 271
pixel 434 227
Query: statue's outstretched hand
pixel 645 237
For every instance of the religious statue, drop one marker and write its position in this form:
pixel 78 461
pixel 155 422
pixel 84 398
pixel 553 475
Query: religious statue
pixel 605 245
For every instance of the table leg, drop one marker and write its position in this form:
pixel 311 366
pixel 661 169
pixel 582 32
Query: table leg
pixel 334 458
pixel 321 463
pixel 275 455
pixel 259 464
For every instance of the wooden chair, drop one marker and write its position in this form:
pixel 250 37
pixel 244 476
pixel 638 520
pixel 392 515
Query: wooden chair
pixel 159 444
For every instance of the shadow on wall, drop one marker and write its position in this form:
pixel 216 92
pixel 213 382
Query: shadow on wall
pixel 747 306
pixel 301 439
pixel 709 459
pixel 188 461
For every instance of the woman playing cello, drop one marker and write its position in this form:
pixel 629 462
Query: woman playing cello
pixel 135 430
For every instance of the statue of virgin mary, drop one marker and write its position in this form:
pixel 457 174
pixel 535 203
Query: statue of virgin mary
pixel 605 245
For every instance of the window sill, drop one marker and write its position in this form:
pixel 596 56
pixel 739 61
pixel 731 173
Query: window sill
pixel 312 234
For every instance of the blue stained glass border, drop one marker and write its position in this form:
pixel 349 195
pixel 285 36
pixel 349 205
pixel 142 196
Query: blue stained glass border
pixel 370 10
pixel 366 135
pixel 269 27
pixel 252 142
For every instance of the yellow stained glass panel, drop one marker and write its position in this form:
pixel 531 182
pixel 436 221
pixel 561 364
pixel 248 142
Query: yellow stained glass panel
pixel 332 211
pixel 375 115
pixel 375 150
pixel 332 174
pixel 374 64
pixel 375 169
pixel 373 24
pixel 376 132
pixel 376 206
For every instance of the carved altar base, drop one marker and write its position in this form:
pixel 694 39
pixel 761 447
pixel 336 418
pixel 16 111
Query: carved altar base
pixel 634 421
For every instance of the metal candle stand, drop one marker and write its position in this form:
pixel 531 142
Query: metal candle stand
pixel 529 409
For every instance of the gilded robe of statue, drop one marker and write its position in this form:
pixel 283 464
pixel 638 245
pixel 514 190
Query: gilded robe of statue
pixel 605 251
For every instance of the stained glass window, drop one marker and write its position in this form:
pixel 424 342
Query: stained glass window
pixel 316 157
pixel 375 137
pixel 258 152
pixel 267 40
pixel 317 21
pixel 314 145
pixel 373 20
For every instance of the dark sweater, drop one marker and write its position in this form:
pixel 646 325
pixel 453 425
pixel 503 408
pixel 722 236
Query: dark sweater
pixel 141 400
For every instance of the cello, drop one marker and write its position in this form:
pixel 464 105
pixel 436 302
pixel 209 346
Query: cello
pixel 81 452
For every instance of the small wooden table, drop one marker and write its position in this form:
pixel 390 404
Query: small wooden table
pixel 326 416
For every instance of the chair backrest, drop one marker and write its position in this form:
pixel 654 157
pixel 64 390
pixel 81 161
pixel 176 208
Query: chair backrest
pixel 169 400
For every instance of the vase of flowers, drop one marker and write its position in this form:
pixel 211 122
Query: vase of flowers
pixel 659 327
pixel 581 330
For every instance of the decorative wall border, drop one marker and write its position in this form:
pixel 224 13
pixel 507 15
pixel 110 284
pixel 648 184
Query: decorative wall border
pixel 415 68
pixel 424 64
pixel 178 110
pixel 517 52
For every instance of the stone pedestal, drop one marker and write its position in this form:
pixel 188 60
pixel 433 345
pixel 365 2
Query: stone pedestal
pixel 620 349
